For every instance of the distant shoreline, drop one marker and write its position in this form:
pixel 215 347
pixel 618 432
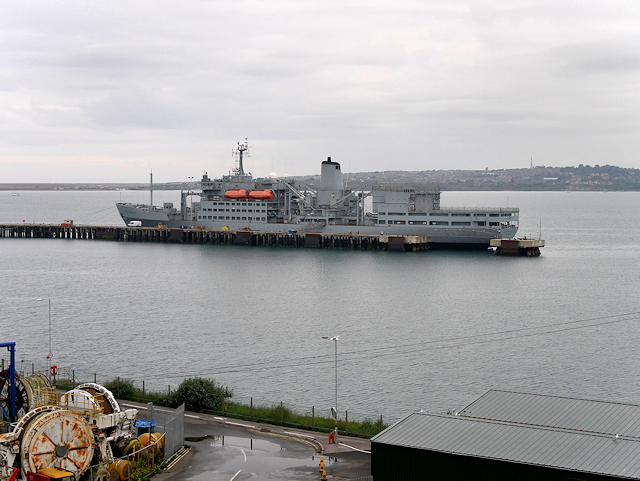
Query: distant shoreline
pixel 89 186
pixel 444 188
pixel 605 178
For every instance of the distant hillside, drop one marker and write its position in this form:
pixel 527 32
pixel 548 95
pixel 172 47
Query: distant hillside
pixel 583 177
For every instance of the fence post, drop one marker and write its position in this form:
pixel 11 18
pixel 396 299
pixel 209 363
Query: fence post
pixel 313 417
pixel 169 394
pixel 346 423
pixel 281 413
pixel 73 381
pixel 95 378
pixel 143 390
pixel 32 369
pixel 251 415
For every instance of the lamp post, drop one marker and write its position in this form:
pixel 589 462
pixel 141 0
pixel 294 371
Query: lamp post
pixel 50 355
pixel 335 339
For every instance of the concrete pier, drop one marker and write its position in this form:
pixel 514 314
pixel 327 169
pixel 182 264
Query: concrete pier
pixel 517 247
pixel 203 236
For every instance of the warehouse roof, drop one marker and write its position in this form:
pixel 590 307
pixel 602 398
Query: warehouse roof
pixel 550 447
pixel 558 412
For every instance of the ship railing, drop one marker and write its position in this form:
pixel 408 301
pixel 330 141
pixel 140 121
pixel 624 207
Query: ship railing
pixel 530 236
pixel 143 207
pixel 480 210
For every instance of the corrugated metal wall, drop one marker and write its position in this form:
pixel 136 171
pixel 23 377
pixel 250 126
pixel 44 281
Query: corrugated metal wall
pixel 395 463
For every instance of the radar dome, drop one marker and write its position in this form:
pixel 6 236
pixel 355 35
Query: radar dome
pixel 273 175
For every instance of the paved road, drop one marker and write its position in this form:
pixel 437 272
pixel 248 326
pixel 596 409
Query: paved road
pixel 228 449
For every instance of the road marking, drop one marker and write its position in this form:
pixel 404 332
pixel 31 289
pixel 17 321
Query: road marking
pixel 191 416
pixel 355 449
pixel 219 419
pixel 234 476
pixel 243 425
pixel 178 457
pixel 245 455
pixel 298 434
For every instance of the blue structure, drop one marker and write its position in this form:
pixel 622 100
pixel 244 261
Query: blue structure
pixel 144 426
pixel 11 378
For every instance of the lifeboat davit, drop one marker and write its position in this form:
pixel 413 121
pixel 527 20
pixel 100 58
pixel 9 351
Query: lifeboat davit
pixel 261 194
pixel 236 194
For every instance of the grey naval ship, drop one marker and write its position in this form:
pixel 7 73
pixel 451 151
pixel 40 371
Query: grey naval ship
pixel 270 204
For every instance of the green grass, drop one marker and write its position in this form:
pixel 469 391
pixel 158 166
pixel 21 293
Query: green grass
pixel 274 414
pixel 286 417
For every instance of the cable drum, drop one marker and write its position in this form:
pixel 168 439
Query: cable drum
pixel 104 397
pixel 21 398
pixel 61 439
pixel 38 388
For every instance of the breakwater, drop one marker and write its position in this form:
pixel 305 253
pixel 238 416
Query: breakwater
pixel 203 236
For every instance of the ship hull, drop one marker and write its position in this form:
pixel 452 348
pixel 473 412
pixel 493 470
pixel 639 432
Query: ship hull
pixel 446 237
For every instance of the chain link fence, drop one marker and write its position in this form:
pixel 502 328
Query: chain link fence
pixel 174 432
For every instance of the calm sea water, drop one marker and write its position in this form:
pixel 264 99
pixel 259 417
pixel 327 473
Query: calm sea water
pixel 428 331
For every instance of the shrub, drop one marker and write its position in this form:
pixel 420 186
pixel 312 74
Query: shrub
pixel 199 394
pixel 122 388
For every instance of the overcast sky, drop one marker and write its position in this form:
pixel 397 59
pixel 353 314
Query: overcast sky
pixel 104 91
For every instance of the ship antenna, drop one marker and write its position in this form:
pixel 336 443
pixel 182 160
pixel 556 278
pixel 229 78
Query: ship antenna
pixel 240 153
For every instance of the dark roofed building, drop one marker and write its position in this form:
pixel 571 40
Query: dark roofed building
pixel 505 435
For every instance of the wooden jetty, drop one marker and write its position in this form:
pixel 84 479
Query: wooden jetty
pixel 204 236
pixel 517 247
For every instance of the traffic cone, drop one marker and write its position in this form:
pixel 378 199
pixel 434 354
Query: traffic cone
pixel 321 464
pixel 324 475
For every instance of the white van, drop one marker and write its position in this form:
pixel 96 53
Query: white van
pixel 135 223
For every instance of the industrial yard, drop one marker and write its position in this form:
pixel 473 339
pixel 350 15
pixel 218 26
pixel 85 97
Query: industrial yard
pixel 80 434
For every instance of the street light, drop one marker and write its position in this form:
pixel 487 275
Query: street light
pixel 335 410
pixel 50 353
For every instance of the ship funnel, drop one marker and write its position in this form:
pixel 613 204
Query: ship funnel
pixel 330 175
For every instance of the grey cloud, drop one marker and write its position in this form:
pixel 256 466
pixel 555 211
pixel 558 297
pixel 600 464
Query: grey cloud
pixel 456 80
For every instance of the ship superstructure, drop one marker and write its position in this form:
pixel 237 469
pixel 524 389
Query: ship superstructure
pixel 237 201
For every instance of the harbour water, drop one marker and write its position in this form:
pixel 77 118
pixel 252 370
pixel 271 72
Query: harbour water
pixel 429 331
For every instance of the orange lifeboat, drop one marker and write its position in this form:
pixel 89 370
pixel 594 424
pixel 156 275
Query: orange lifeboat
pixel 261 194
pixel 236 194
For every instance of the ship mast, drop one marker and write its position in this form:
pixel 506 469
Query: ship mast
pixel 239 153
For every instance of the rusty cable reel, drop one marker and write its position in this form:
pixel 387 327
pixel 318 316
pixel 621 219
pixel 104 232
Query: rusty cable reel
pixel 61 439
pixel 22 397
